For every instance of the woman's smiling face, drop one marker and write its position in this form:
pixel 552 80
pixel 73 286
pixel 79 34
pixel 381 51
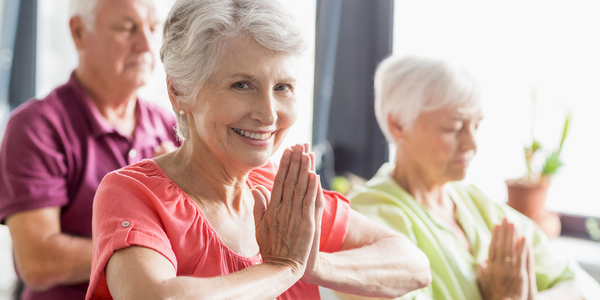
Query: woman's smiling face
pixel 245 109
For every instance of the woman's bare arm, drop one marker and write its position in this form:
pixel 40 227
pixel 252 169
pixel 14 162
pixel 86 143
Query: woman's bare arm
pixel 141 273
pixel 373 261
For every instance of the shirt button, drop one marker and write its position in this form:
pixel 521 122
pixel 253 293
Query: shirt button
pixel 132 153
pixel 125 224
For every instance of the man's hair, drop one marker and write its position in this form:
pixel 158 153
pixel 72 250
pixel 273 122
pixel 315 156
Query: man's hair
pixel 86 10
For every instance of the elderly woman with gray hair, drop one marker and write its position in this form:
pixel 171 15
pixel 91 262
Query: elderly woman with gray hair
pixel 430 110
pixel 215 219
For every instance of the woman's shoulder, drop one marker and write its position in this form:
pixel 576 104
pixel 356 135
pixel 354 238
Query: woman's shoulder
pixel 382 200
pixel 144 180
pixel 381 189
pixel 146 172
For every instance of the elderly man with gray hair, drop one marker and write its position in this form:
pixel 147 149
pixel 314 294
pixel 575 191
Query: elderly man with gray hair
pixel 57 150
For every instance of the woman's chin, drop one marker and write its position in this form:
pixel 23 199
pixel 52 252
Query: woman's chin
pixel 457 174
pixel 257 160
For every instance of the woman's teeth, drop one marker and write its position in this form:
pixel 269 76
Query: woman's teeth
pixel 252 135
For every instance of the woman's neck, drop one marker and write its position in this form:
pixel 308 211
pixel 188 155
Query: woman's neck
pixel 419 184
pixel 200 174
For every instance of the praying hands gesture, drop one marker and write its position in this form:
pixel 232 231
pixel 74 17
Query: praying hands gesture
pixel 509 273
pixel 288 225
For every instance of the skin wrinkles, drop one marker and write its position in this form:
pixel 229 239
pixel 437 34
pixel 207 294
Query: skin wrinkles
pixel 434 144
pixel 246 100
pixel 437 150
pixel 119 51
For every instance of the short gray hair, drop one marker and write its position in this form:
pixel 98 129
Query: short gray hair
pixel 85 9
pixel 406 87
pixel 196 31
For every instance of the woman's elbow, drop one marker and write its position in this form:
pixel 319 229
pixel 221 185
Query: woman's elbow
pixel 416 275
pixel 423 274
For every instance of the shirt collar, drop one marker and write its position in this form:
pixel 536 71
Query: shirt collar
pixel 99 125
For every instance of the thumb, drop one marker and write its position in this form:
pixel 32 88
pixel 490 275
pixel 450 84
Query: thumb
pixel 260 205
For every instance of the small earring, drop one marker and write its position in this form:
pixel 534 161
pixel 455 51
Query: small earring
pixel 182 112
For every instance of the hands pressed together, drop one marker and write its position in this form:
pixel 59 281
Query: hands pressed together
pixel 509 272
pixel 288 219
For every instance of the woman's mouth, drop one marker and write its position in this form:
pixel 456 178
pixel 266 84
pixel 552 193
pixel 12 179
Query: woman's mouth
pixel 252 135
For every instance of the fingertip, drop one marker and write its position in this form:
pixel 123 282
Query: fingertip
pixel 318 178
pixel 482 265
pixel 286 153
pixel 305 158
pixel 306 147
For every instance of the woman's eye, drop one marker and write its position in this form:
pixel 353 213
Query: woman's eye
pixel 241 85
pixel 283 87
pixel 453 129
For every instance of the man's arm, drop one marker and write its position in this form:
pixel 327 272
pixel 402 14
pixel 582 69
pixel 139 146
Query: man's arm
pixel 373 261
pixel 46 257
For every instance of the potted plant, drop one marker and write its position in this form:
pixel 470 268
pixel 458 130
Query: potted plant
pixel 528 194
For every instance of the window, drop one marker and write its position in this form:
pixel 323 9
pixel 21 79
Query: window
pixel 511 47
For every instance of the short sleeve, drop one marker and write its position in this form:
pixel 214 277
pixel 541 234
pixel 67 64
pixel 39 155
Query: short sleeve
pixel 126 212
pixel 336 213
pixel 32 164
pixel 335 221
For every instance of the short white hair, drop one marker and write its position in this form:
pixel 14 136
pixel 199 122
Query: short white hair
pixel 86 10
pixel 196 32
pixel 406 87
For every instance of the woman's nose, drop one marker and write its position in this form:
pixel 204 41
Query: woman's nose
pixel 469 140
pixel 264 109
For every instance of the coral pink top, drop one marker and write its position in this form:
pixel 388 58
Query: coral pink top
pixel 140 205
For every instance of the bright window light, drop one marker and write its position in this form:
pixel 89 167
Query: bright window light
pixel 514 47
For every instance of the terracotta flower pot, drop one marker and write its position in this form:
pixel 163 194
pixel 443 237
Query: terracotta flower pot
pixel 529 197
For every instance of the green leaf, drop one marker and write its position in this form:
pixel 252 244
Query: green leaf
pixel 552 163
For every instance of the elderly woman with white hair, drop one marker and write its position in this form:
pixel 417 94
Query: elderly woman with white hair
pixel 215 219
pixel 430 110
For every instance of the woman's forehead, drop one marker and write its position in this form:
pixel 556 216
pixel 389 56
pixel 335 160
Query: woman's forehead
pixel 247 58
pixel 456 114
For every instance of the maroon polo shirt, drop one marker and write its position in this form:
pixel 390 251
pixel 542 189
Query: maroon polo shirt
pixel 56 151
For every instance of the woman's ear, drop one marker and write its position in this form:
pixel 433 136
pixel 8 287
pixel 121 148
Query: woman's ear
pixel 174 97
pixel 395 128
